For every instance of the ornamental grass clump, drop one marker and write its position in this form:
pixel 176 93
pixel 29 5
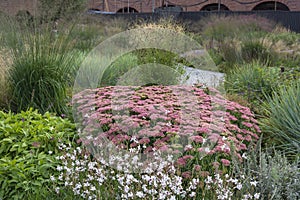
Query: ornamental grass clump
pixel 4 94
pixel 195 124
pixel 41 68
pixel 282 119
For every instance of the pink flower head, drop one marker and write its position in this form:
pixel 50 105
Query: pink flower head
pixel 225 162
pixel 197 168
pixel 181 162
pixel 186 175
pixel 196 139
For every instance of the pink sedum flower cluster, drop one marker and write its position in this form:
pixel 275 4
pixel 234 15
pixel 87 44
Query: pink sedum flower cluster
pixel 190 120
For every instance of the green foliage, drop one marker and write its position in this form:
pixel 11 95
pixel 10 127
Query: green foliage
pixel 29 144
pixel 217 58
pixel 254 50
pixel 140 67
pixel 52 10
pixel 252 81
pixel 25 18
pixel 87 36
pixel 42 66
pixel 277 177
pixel 230 54
pixel 288 37
pixel 118 68
pixel 282 118
pixel 219 27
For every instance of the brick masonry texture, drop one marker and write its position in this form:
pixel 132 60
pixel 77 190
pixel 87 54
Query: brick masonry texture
pixel 191 5
pixel 12 7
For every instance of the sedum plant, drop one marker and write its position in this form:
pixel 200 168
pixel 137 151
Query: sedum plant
pixel 159 118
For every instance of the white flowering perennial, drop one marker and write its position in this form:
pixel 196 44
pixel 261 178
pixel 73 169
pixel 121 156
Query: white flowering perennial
pixel 228 188
pixel 87 178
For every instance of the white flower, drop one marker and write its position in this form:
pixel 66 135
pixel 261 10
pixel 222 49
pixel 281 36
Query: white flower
pixel 50 152
pixel 206 150
pixel 133 139
pixel 73 157
pixel 89 137
pixel 239 186
pixel 224 146
pixel 140 194
pixel 131 150
pixel 130 194
pixel 235 181
pixel 172 197
pixel 256 195
pixel 126 189
pixel 170 158
pixel 60 177
pixel 244 155
pixel 57 190
pixel 93 188
pixel 208 180
pixel 86 184
pixel 253 183
pixel 59 168
pixel 78 186
pixel 52 178
pixel 78 149
pixel 193 194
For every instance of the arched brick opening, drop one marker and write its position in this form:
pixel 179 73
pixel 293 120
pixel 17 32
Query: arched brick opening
pixel 271 5
pixel 127 10
pixel 214 7
pixel 169 7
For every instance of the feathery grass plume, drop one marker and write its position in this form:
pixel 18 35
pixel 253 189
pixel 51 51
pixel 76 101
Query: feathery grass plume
pixel 42 65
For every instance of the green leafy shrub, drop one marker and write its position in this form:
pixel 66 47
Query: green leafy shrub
pixel 252 81
pixel 144 66
pixel 29 145
pixel 282 118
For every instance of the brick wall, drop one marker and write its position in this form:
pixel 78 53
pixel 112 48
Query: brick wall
pixel 147 5
pixel 13 6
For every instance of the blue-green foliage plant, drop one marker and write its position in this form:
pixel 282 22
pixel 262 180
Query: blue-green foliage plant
pixel 282 118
